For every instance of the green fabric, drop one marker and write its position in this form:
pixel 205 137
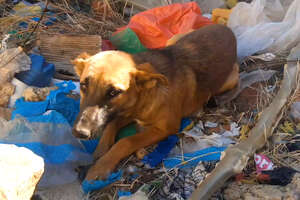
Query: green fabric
pixel 127 41
pixel 126 131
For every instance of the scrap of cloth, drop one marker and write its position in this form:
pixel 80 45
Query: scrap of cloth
pixel 180 184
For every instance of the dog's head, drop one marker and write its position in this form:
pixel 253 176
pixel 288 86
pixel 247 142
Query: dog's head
pixel 111 85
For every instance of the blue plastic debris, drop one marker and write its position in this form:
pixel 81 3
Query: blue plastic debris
pixel 66 108
pixel 161 151
pixel 164 147
pixel 90 145
pixel 89 186
pixel 40 73
pixel 23 24
pixel 124 193
pixel 192 159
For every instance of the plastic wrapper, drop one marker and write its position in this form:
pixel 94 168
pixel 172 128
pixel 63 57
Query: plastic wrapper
pixel 263 26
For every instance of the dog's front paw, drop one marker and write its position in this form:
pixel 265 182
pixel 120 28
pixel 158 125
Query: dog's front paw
pixel 100 171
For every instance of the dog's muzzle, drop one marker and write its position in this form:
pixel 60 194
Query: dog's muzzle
pixel 89 122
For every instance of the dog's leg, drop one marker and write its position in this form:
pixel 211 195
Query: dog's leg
pixel 232 80
pixel 123 148
pixel 109 135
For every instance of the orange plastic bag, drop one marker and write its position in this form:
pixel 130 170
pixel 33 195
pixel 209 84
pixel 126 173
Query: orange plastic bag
pixel 156 26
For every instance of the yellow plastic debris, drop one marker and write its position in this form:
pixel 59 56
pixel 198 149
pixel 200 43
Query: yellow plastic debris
pixel 244 131
pixel 220 16
pixel 231 3
pixel 287 127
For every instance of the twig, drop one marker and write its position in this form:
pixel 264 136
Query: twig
pixel 38 23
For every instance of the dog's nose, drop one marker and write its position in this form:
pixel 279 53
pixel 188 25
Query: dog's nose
pixel 82 133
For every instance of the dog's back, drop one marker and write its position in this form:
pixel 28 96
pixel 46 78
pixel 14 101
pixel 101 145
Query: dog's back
pixel 210 52
pixel 198 66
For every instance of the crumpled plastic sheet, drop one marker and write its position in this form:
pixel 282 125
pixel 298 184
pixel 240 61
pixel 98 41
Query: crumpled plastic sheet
pixel 263 26
pixel 246 80
pixel 44 128
pixel 55 143
pixel 195 139
pixel 12 61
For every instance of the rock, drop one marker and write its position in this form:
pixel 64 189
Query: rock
pixel 20 172
pixel 236 191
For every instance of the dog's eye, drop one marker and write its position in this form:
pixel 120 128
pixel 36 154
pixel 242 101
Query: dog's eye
pixel 112 92
pixel 84 85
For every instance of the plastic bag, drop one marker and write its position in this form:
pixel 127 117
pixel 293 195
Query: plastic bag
pixel 12 61
pixel 54 142
pixel 40 73
pixel 155 26
pixel 127 41
pixel 257 31
pixel 57 101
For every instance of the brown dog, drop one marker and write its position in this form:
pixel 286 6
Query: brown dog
pixel 156 89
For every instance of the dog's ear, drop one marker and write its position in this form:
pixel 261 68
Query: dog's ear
pixel 79 63
pixel 146 78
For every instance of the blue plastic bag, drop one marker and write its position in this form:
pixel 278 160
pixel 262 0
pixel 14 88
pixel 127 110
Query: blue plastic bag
pixel 40 73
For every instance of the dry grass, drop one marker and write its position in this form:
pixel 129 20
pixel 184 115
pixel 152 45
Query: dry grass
pixel 68 19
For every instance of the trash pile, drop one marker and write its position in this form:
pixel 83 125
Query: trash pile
pixel 40 100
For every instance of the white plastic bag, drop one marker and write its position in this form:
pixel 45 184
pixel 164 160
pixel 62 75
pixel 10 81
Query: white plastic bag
pixel 257 28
